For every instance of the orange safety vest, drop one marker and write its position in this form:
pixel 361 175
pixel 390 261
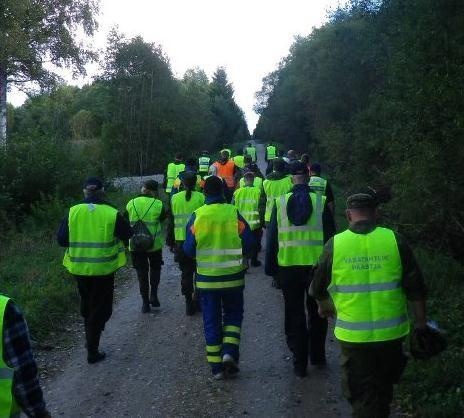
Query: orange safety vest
pixel 226 171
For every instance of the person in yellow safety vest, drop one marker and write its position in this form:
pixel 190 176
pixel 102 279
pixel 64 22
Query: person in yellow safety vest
pixel 277 183
pixel 226 147
pixel 271 152
pixel 300 224
pixel 93 233
pixel 172 171
pixel 365 277
pixel 319 185
pixel 183 204
pixel 19 375
pixel 149 210
pixel 219 238
pixel 190 167
pixel 203 163
pixel 251 151
pixel 239 159
pixel 247 199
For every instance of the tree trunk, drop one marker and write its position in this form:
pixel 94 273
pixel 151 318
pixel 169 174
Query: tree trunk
pixel 2 107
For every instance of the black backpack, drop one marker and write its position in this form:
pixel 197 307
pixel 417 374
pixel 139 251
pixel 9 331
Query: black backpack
pixel 142 240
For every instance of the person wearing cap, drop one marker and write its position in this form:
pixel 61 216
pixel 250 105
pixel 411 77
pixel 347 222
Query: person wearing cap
pixel 219 238
pixel 227 170
pixel 278 183
pixel 365 276
pixel 300 225
pixel 250 205
pixel 172 171
pixel 150 210
pixel 19 375
pixel 320 185
pixel 251 151
pixel 93 233
pixel 203 163
pixel 183 204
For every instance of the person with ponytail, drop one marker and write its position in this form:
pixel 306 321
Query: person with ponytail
pixel 183 204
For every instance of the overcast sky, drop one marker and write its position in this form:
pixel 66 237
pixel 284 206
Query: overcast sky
pixel 248 37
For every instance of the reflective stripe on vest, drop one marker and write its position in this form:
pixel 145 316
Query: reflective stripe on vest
pixel 273 190
pixel 226 171
pixel 172 173
pixel 271 152
pixel 257 182
pixel 182 211
pixel 203 164
pixel 8 405
pixel 93 250
pixel 246 200
pixel 300 245
pixel 151 219
pixel 251 151
pixel 317 184
pixel 366 287
pixel 219 247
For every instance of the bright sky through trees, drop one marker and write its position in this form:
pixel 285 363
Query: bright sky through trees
pixel 248 37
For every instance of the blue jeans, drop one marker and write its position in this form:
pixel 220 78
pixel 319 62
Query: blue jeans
pixel 222 320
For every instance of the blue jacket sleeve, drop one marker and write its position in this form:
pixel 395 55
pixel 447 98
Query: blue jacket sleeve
pixel 271 266
pixel 190 244
pixel 248 239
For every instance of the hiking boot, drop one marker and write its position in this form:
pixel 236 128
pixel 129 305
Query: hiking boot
pixel 146 307
pixel 230 366
pixel 154 300
pixel 96 357
pixel 300 371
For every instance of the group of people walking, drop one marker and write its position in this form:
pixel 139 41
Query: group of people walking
pixel 216 212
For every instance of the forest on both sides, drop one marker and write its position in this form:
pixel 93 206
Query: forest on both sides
pixel 377 96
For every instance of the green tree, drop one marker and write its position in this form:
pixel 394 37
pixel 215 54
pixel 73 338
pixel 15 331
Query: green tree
pixel 35 32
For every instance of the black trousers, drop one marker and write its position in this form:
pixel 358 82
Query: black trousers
pixel 187 267
pixel 96 293
pixel 369 372
pixel 305 336
pixel 258 233
pixel 148 267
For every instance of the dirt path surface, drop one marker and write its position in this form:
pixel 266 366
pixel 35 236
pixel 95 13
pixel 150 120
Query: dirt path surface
pixel 156 364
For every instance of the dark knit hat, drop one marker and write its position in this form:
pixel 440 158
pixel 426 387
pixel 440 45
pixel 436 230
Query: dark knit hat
pixel 151 185
pixel 213 186
pixel 93 184
pixel 298 168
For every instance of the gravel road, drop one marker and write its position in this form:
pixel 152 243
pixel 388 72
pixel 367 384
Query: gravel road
pixel 156 364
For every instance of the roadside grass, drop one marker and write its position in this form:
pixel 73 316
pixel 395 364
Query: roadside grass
pixel 31 270
pixel 434 388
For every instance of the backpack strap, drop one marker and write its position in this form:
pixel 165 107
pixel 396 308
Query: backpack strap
pixel 148 210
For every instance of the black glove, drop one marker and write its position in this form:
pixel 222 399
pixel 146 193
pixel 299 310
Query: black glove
pixel 426 343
